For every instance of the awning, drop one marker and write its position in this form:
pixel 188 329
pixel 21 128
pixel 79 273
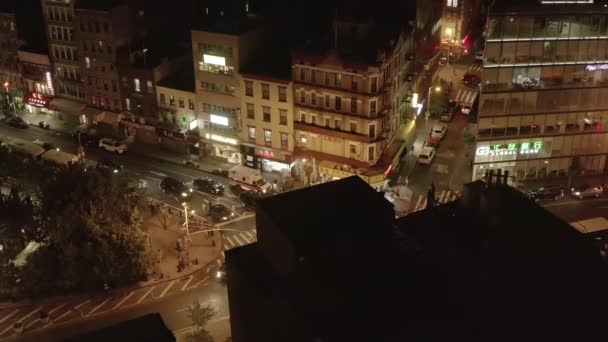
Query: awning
pixel 36 100
pixel 67 106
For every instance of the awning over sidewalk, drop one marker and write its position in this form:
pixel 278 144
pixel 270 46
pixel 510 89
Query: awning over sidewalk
pixel 67 106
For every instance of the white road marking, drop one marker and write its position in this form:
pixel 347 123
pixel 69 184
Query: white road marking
pixel 230 241
pixel 199 283
pixel 56 308
pixel 236 237
pixel 152 178
pixel 146 294
pixel 418 202
pixel 60 317
pixel 187 282
pixel 223 255
pixel 32 323
pixel 250 235
pixel 160 174
pixel 9 316
pixel 82 304
pixel 29 314
pixel 244 217
pixel 219 262
pixel 166 289
pixel 123 300
pixel 98 307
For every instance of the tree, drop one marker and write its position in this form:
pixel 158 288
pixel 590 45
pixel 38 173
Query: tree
pixel 439 103
pixel 574 168
pixel 200 316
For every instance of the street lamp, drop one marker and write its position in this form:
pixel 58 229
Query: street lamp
pixel 186 214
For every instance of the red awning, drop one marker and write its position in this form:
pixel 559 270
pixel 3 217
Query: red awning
pixel 36 100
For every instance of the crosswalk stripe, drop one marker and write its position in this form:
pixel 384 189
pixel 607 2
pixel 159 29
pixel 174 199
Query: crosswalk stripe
pixel 418 202
pixel 230 241
pixel 249 235
pixel 443 196
pixel 9 316
pixel 236 237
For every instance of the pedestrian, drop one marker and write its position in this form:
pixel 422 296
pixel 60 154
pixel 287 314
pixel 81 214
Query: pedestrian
pixel 275 186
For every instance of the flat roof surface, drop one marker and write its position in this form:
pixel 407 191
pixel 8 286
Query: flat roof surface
pixel 183 80
pixel 98 5
pixel 535 7
pixel 591 225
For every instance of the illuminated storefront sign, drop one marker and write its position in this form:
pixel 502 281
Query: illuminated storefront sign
pixel 266 154
pixel 553 2
pixel 49 81
pixel 193 124
pixel 221 139
pixel 510 149
pixel 217 60
pixel 219 120
pixel 594 67
pixel 36 100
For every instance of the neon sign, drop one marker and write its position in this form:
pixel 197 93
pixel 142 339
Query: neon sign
pixel 510 149
pixel 594 67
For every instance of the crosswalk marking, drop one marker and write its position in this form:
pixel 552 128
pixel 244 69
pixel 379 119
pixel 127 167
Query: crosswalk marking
pixel 442 197
pixel 56 308
pixel 98 307
pixel 236 237
pixel 123 300
pixel 465 96
pixel 249 235
pixel 476 67
pixel 230 241
pixel 9 316
pixel 166 289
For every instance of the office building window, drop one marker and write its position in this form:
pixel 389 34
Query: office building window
pixel 282 94
pixel 250 111
pixel 267 136
pixel 266 111
pixel 181 102
pixel 248 88
pixel 162 99
pixel 283 117
pixel 191 104
pixel 338 103
pixel 284 139
pixel 251 131
pixel 137 85
pixel 265 91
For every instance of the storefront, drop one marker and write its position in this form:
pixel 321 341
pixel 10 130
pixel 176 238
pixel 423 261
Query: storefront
pixel 222 147
pixel 534 158
pixel 266 159
pixel 36 103
pixel 69 111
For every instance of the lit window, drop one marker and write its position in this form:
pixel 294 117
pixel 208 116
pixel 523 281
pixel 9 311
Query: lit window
pixel 303 139
pixel 452 3
pixel 149 85
pixel 267 136
pixel 251 132
pixel 128 103
pixel 284 139
pixel 87 62
pixel 137 85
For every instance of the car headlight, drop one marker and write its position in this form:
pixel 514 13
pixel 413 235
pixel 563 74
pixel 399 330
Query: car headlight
pixel 115 171
pixel 577 193
pixel 264 191
pixel 218 274
pixel 224 218
pixel 190 189
pixel 184 194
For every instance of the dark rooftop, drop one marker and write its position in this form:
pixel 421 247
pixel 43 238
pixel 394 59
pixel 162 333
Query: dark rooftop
pixel 8 6
pixel 535 7
pixel 149 328
pixel 469 270
pixel 98 5
pixel 274 63
pixel 181 80
pixel 156 52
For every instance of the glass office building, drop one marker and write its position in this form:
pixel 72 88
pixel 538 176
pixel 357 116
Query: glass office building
pixel 544 96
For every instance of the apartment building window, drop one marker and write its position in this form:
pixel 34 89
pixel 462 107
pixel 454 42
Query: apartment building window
pixel 250 111
pixel 372 107
pixel 171 100
pixel 313 99
pixel 114 86
pixel 338 80
pixel 105 85
pixel 338 104
pixel 150 88
pixel 372 131
pixel 353 85
pixel 284 140
pixel 302 97
pixel 251 132
pixel 313 119
pixel 128 103
pixel 248 88
pixel 191 104
pixel 353 126
pixel 302 74
pixel 374 84
pixel 338 124
pixel 326 78
pixel 162 99
pixel 327 121
pixel 353 149
pixel 326 101
pixel 452 3
pixel 96 27
pixel 303 139
pixel 283 117
pixel 353 105
pixel 266 111
pixel 137 85
pixel 181 102
pixel 371 151
pixel 313 75
pixel 282 94
pixel 265 91
pixel 106 28
pixel 85 46
pixel 268 136
pixel 302 117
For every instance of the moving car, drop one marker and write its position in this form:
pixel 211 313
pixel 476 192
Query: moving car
pixel 439 131
pixel 17 121
pixel 45 145
pixel 586 190
pixel 546 193
pixel 471 80
pixel 426 156
pixel 220 212
pixel 208 185
pixel 112 145
pixel 248 179
pixel 221 274
pixel 174 187
pixel 109 166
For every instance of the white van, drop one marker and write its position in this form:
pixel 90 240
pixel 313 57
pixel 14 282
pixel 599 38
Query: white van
pixel 24 148
pixel 59 158
pixel 248 179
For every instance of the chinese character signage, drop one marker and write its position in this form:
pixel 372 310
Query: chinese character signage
pixel 266 154
pixel 37 100
pixel 510 149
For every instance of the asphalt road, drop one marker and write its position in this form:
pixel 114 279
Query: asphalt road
pixel 570 209
pixel 70 316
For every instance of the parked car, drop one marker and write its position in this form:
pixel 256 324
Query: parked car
pixel 44 124
pixel 426 156
pixel 109 166
pixel 586 190
pixel 466 109
pixel 250 198
pixel 479 56
pixel 46 145
pixel 221 274
pixel 208 185
pixel 546 193
pixel 443 59
pixel 174 187
pixel 220 212
pixel 85 139
pixel 112 145
pixel 447 115
pixel 17 121
pixel 471 80
pixel 439 131
pixel 431 142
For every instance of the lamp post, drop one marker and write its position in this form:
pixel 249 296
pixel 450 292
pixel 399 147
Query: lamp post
pixel 186 214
